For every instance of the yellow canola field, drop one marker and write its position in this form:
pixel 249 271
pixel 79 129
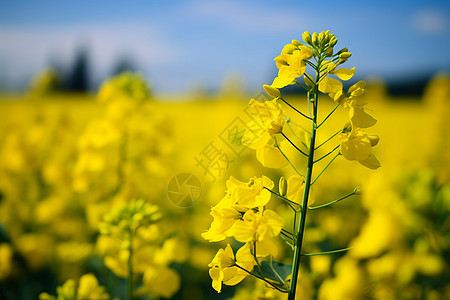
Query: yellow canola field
pixel 67 161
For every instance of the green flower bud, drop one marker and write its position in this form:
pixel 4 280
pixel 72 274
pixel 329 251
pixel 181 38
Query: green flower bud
pixel 307 37
pixel 333 41
pixel 345 55
pixel 315 39
pixel 282 186
pixel 357 190
pixel 345 49
pixel 329 52
pixel 321 37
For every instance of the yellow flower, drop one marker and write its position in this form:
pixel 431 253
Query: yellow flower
pixel 6 254
pixel 224 219
pixel 90 289
pixel 348 283
pixel 267 120
pixel 356 145
pixel 291 64
pixel 332 86
pixel 295 187
pixel 257 226
pixel 224 269
pixel 270 156
pixel 241 196
pixel 355 104
pixel 162 281
pixel 251 194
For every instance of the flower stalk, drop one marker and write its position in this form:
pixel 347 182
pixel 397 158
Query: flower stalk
pixel 309 170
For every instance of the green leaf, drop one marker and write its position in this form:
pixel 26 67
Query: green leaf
pixel 274 271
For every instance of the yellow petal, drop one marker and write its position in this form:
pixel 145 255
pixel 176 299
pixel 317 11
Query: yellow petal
pixel 271 157
pixel 360 119
pixel 344 74
pixel 371 162
pixel 330 85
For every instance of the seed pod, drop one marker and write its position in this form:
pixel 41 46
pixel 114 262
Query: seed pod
pixel 282 186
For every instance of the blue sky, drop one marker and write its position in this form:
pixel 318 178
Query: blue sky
pixel 181 44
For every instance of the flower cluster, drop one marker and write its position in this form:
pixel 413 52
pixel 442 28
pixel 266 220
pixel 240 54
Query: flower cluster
pixel 129 242
pixel 88 288
pixel 242 214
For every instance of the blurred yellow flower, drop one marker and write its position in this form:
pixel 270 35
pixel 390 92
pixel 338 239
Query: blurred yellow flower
pixel 89 288
pixel 6 255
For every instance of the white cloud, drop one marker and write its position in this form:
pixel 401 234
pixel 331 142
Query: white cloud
pixel 242 17
pixel 430 22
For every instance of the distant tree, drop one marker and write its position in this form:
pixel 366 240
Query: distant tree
pixel 78 76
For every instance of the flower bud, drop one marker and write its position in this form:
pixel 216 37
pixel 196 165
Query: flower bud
pixel 321 37
pixel 271 91
pixel 345 49
pixel 333 41
pixel 357 190
pixel 329 52
pixel 296 43
pixel 315 39
pixel 307 37
pixel 282 186
pixel 345 55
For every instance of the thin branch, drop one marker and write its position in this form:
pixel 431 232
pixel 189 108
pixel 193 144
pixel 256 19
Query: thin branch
pixel 283 198
pixel 327 252
pixel 298 149
pixel 295 109
pixel 328 115
pixel 262 278
pixel 295 169
pixel 319 159
pixel 332 202
pixel 325 168
pixel 340 130
pixel 311 64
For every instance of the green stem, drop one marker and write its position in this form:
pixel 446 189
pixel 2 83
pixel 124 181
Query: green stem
pixel 130 269
pixel 328 115
pixel 332 202
pixel 326 167
pixel 327 252
pixel 295 109
pixel 309 169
